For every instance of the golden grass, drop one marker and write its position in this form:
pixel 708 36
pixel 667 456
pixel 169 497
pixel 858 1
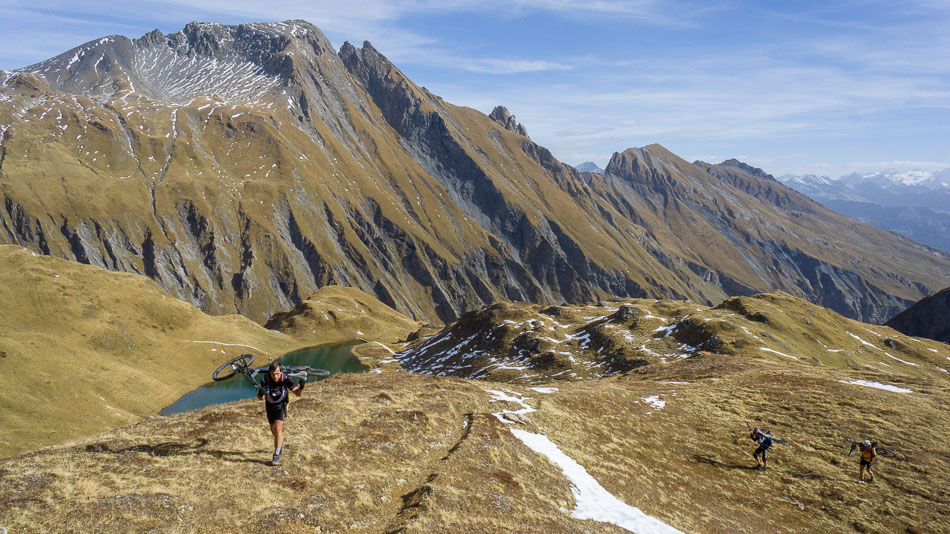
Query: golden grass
pixel 383 452
pixel 91 350
pixel 336 313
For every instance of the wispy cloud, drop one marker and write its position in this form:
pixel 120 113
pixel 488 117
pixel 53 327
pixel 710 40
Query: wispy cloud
pixel 901 165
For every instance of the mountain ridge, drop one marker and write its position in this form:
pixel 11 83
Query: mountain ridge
pixel 346 172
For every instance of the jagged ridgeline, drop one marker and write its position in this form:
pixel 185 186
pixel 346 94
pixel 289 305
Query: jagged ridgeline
pixel 243 167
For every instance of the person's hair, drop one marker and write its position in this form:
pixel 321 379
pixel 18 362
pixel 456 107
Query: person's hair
pixel 274 365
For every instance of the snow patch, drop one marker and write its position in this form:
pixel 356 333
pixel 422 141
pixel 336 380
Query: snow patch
pixel 900 360
pixel 878 385
pixel 777 352
pixel 501 396
pixel 592 501
pixel 863 342
pixel 655 401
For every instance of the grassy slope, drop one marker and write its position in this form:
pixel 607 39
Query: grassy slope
pixel 336 313
pixel 380 452
pixel 91 350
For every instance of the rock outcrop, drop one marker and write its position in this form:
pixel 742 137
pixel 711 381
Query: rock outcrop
pixel 502 116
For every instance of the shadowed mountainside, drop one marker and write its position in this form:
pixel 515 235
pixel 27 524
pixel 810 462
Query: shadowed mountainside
pixel 243 167
pixel 929 318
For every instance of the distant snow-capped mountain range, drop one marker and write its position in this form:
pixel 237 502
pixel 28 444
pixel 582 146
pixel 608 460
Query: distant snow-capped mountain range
pixel 915 203
pixel 892 188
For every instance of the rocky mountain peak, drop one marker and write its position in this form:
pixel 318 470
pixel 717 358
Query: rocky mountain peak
pixel 502 116
pixel 364 59
pixel 237 63
pixel 273 167
pixel 652 163
pixel 749 169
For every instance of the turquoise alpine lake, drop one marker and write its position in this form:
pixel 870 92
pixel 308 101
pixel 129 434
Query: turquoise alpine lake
pixel 334 358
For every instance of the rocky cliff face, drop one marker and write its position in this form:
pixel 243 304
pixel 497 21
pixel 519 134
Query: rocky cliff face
pixel 243 167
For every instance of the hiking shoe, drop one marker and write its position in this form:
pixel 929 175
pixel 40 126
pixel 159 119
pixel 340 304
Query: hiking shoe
pixel 276 459
pixel 761 468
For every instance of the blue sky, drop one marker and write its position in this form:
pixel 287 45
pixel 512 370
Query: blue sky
pixel 791 87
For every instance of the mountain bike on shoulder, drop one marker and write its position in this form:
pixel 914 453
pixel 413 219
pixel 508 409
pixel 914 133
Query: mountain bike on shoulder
pixel 242 365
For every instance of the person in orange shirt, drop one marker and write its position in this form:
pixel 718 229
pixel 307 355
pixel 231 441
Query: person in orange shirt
pixel 868 453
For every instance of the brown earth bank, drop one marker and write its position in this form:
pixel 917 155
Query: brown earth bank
pixel 397 452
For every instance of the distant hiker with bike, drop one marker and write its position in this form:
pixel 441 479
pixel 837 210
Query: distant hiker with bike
pixel 764 441
pixel 274 389
pixel 868 454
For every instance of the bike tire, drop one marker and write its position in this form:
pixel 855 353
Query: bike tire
pixel 887 453
pixel 232 367
pixel 318 372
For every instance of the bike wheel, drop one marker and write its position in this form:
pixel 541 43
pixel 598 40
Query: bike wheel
pixel 889 453
pixel 232 367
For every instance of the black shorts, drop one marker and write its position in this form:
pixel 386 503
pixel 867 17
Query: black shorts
pixel 764 451
pixel 865 463
pixel 276 411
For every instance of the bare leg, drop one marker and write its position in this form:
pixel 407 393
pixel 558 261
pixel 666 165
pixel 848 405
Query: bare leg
pixel 277 429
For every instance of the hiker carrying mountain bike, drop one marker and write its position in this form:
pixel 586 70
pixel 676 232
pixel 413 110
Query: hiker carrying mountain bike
pixel 868 454
pixel 764 441
pixel 274 388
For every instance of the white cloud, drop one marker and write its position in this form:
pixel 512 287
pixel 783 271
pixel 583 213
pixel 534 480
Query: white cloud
pixel 900 165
